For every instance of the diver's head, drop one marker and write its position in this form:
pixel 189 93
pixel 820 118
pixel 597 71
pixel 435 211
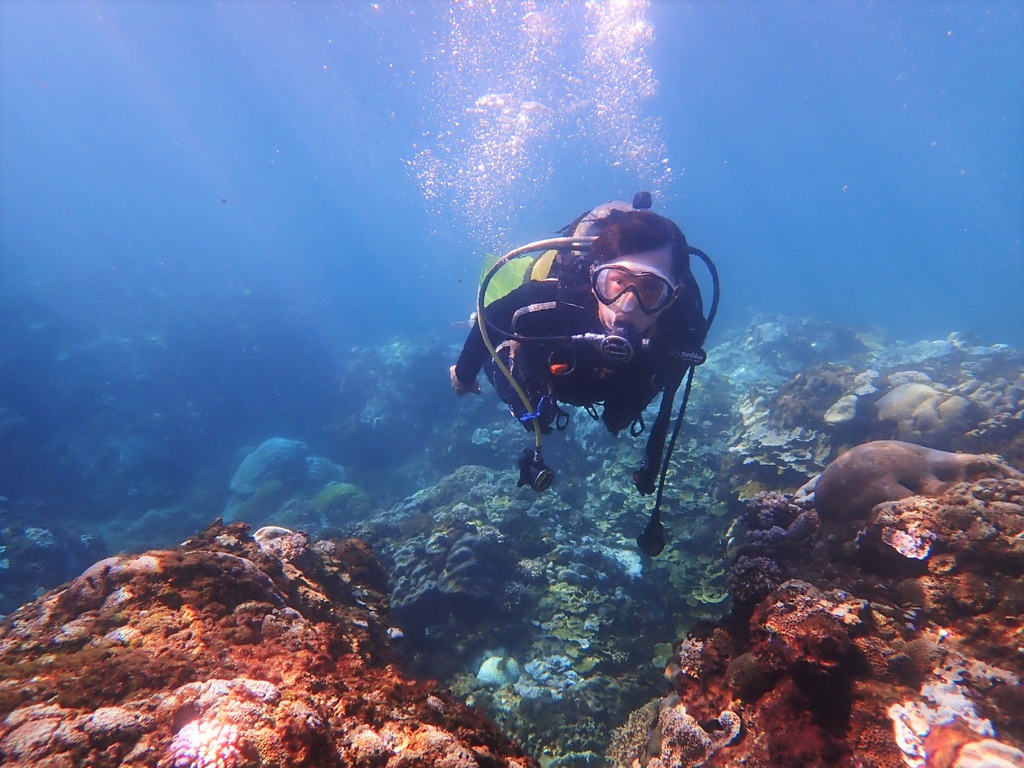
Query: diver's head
pixel 637 265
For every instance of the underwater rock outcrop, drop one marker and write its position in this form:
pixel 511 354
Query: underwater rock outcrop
pixel 891 643
pixel 228 651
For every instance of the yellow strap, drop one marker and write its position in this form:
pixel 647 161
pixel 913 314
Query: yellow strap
pixel 541 268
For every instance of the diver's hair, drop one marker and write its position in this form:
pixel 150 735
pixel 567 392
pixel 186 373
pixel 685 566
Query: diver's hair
pixel 621 233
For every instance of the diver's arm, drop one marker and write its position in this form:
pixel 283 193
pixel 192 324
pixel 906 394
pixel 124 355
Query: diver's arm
pixel 474 351
pixel 460 388
pixel 464 372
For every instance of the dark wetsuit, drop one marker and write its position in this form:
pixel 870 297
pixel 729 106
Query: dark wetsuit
pixel 575 372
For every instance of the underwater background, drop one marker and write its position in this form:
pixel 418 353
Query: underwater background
pixel 240 242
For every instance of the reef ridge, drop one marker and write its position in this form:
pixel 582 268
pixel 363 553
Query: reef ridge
pixel 224 652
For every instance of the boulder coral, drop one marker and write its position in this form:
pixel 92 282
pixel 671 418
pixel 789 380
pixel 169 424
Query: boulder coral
pixel 226 651
pixel 277 459
pixel 889 470
pixel 926 415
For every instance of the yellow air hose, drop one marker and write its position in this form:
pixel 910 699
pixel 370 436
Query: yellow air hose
pixel 576 243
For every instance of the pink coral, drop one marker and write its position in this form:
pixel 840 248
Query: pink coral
pixel 916 546
pixel 989 753
pixel 206 744
pixel 684 743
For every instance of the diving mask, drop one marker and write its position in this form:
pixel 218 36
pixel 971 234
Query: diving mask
pixel 652 291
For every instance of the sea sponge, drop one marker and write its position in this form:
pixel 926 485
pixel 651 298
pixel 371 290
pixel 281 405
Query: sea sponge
pixel 889 470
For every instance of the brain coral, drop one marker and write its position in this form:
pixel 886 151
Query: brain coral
pixel 927 416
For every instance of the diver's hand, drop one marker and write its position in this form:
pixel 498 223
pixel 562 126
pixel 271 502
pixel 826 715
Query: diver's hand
pixel 463 389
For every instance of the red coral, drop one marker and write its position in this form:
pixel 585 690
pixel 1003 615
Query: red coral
pixel 815 666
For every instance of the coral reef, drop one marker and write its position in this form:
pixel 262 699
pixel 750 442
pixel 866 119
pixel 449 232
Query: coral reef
pixel 952 395
pixel 555 579
pixel 36 555
pixel 890 642
pixel 227 651
pixel 476 561
pixel 539 610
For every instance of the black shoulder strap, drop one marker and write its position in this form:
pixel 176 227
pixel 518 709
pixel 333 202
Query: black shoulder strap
pixel 647 474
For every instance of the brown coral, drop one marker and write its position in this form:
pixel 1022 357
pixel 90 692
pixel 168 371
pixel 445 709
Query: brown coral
pixel 888 470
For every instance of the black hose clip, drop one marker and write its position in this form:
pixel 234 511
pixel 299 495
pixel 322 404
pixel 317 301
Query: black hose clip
pixel 694 357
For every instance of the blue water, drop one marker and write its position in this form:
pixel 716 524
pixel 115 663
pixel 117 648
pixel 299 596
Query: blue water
pixel 204 207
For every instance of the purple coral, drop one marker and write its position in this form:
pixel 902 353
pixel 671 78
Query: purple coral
pixel 770 508
pixel 774 523
pixel 750 579
pixel 765 540
pixel 206 744
pixel 776 528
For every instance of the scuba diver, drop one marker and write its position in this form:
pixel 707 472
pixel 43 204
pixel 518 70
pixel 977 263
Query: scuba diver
pixel 609 314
